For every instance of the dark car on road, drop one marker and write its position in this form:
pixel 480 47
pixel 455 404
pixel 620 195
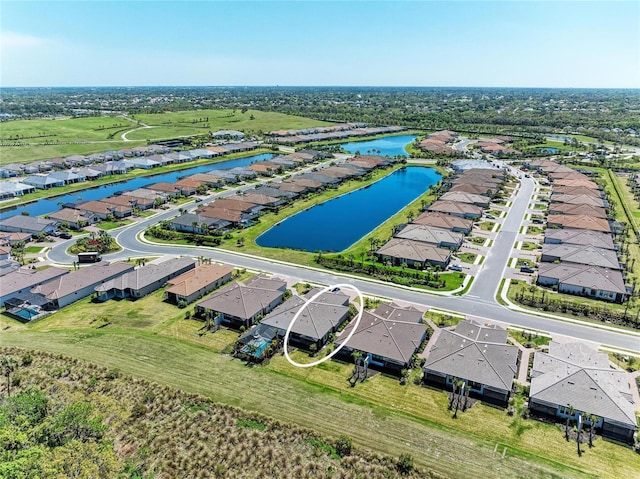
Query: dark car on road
pixel 527 269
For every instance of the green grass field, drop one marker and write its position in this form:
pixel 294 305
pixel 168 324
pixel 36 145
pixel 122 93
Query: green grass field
pixel 150 339
pixel 51 138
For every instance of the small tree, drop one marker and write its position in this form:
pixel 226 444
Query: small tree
pixel 8 366
pixel 405 464
pixel 344 445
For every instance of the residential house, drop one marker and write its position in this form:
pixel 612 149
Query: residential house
pixel 580 222
pixel 102 210
pixel 89 173
pixel 387 339
pixel 69 288
pixel 596 239
pixel 239 204
pixel 195 283
pixel 197 224
pixel 75 219
pixel 43 182
pixel 67 176
pixel 577 209
pixel 27 224
pixel 462 197
pixel 473 189
pixel 25 279
pixel 11 189
pixel 168 189
pixel 238 219
pixel 589 255
pixel 576 183
pixel 461 210
pixel 269 202
pixel 144 163
pixel 209 179
pixel 584 280
pixel 590 200
pixel 143 280
pixel 265 168
pixel 242 304
pixel 148 194
pixel 275 191
pixel 444 221
pixel 439 237
pixel 414 253
pixel 476 354
pixel 573 380
pixel 576 191
pixel 315 324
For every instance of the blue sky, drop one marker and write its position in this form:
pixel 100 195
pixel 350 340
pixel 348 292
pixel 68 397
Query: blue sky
pixel 593 44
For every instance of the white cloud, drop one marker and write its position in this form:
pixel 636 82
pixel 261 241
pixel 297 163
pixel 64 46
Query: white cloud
pixel 11 41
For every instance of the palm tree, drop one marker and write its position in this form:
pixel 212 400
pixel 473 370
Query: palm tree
pixel 8 366
pixel 593 420
pixel 570 412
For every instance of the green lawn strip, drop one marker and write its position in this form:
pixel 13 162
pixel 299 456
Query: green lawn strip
pixel 396 420
pixel 110 225
pixel 34 249
pixel 528 246
pixel 621 201
pixel 467 257
pixel 487 225
pixel 466 288
pixel 136 173
pixel 517 286
pixel 529 337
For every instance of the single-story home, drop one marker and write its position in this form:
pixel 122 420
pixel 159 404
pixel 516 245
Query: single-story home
pixel 72 287
pixel 589 255
pixel 579 200
pixel 275 191
pixel 314 325
pixel 75 219
pixel 454 208
pixel 386 339
pixel 197 282
pixel 192 223
pixel 573 380
pixel 143 280
pixel 237 219
pixel 581 222
pixel 25 279
pixel 43 182
pixel 67 176
pixel 413 253
pixel 10 189
pixel 239 204
pixel 476 354
pixel 577 209
pixel 242 304
pixel 584 280
pixel 462 197
pixel 441 220
pixel 597 239
pixel 27 224
pixel 439 237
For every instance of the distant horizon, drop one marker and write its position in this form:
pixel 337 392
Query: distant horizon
pixel 453 87
pixel 504 44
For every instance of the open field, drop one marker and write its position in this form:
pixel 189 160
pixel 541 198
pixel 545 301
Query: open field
pixel 71 136
pixel 379 413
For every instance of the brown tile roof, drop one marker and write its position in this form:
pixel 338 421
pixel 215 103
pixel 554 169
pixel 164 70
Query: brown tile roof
pixel 236 204
pixel 577 209
pixel 574 183
pixel 441 220
pixel 582 222
pixel 455 207
pixel 414 251
pixel 163 186
pixel 198 278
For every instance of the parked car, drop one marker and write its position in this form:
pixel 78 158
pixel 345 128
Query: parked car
pixel 198 200
pixel 65 235
pixel 491 217
pixel 527 269
pixel 455 267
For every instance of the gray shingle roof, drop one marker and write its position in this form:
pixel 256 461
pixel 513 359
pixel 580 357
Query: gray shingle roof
pixel 389 338
pixel 581 255
pixel 146 275
pixel 429 234
pixel 597 239
pixel 578 375
pixel 31 223
pixel 317 319
pixel 414 250
pixel 475 353
pixel 593 277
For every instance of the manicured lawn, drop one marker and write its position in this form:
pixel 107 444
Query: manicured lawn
pixel 479 240
pixel 109 225
pixel 378 413
pixel 487 225
pixel 529 337
pixel 34 249
pixel 467 257
pixel 528 246
pixel 533 230
pixel 443 320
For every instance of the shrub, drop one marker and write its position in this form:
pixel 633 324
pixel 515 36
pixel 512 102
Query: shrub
pixel 405 464
pixel 344 445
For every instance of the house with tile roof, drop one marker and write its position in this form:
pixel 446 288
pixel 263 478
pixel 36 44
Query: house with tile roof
pixel 441 220
pixel 72 287
pixel 478 355
pixel 454 208
pixel 144 280
pixel 584 280
pixel 462 197
pixel 193 223
pixel 75 219
pixel 597 239
pixel 43 182
pixel 243 304
pixel 438 237
pixel 577 209
pixel 314 324
pixel 589 255
pixel 413 253
pixel 195 283
pixel 25 279
pixel 580 222
pixel 28 224
pixel 575 375
pixel 388 341
pixel 591 200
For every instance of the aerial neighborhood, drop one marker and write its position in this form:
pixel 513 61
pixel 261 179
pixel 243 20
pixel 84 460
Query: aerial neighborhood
pixel 464 283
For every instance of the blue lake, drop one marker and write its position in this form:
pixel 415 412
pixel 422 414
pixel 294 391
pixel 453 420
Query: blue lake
pixel 50 205
pixel 387 146
pixel 338 223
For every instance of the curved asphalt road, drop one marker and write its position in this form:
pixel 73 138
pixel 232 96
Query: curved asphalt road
pixel 478 302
